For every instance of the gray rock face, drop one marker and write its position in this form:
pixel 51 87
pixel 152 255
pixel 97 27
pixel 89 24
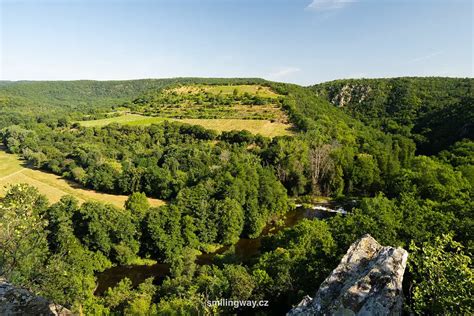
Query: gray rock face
pixel 18 301
pixel 367 281
pixel 351 93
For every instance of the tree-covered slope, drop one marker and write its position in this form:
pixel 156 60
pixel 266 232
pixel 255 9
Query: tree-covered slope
pixel 45 101
pixel 226 188
pixel 435 112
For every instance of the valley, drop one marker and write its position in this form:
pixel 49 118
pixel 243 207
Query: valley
pixel 125 197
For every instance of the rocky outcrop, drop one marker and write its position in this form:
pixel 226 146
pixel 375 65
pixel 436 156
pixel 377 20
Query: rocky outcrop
pixel 367 281
pixel 18 301
pixel 350 94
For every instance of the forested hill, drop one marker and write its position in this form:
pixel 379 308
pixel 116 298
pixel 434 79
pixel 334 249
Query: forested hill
pixel 223 189
pixel 46 100
pixel 87 92
pixel 435 112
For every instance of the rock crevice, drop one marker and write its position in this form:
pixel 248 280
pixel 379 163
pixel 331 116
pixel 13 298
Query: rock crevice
pixel 367 281
pixel 18 301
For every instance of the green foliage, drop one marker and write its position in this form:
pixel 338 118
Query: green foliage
pixel 435 112
pixel 232 220
pixel 162 232
pixel 40 250
pixel 432 180
pixel 365 173
pixel 210 101
pixel 107 229
pixel 443 278
pixel 222 188
pixel 294 260
pixel 124 300
pixel 137 203
pixel 23 240
pixel 376 216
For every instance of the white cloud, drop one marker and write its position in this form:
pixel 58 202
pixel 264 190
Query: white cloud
pixel 326 5
pixel 282 72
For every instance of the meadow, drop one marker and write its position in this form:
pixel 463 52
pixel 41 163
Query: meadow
pixel 14 171
pixel 254 102
pixel 128 119
pixel 262 127
pixel 259 90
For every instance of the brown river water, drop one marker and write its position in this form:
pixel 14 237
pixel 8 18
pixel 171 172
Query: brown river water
pixel 245 249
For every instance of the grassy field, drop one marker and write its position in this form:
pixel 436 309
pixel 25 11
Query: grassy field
pixel 8 163
pixel 212 102
pixel 129 119
pixel 263 127
pixel 52 186
pixel 228 89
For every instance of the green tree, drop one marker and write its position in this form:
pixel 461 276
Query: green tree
pixel 378 216
pixel 138 204
pixel 365 174
pixel 443 278
pixel 162 234
pixel 231 218
pixel 23 239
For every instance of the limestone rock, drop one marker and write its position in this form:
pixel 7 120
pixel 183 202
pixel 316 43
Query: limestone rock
pixel 351 93
pixel 367 281
pixel 18 301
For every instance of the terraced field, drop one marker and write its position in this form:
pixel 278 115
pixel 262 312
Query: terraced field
pixel 259 90
pixel 129 119
pixel 212 102
pixel 254 108
pixel 12 171
pixel 262 127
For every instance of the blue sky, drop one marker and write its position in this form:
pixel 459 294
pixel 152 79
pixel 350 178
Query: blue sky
pixel 300 41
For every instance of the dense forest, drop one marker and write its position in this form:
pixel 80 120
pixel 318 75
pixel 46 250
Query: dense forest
pixel 400 150
pixel 435 112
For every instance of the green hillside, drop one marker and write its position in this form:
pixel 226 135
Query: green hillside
pixel 435 112
pixel 27 100
pixel 226 162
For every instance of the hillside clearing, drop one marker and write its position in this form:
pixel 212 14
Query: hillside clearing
pixel 8 163
pixel 263 127
pixel 129 119
pixel 52 186
pixel 212 102
pixel 259 90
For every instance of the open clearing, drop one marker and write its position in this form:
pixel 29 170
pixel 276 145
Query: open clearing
pixel 129 119
pixel 263 127
pixel 52 186
pixel 212 102
pixel 259 90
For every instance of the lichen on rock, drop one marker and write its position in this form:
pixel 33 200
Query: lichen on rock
pixel 17 301
pixel 367 281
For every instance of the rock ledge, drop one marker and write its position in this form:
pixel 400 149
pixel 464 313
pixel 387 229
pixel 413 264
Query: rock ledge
pixel 367 281
pixel 18 301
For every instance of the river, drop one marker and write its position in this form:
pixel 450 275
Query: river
pixel 245 249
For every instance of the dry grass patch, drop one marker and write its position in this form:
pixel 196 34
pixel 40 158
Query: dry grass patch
pixel 263 127
pixel 8 163
pixel 53 186
pixel 253 89
pixel 128 119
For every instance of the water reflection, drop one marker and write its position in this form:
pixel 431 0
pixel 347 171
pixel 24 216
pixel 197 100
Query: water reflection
pixel 244 250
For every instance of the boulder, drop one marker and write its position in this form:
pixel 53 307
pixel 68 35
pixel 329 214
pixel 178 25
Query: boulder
pixel 367 281
pixel 18 301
